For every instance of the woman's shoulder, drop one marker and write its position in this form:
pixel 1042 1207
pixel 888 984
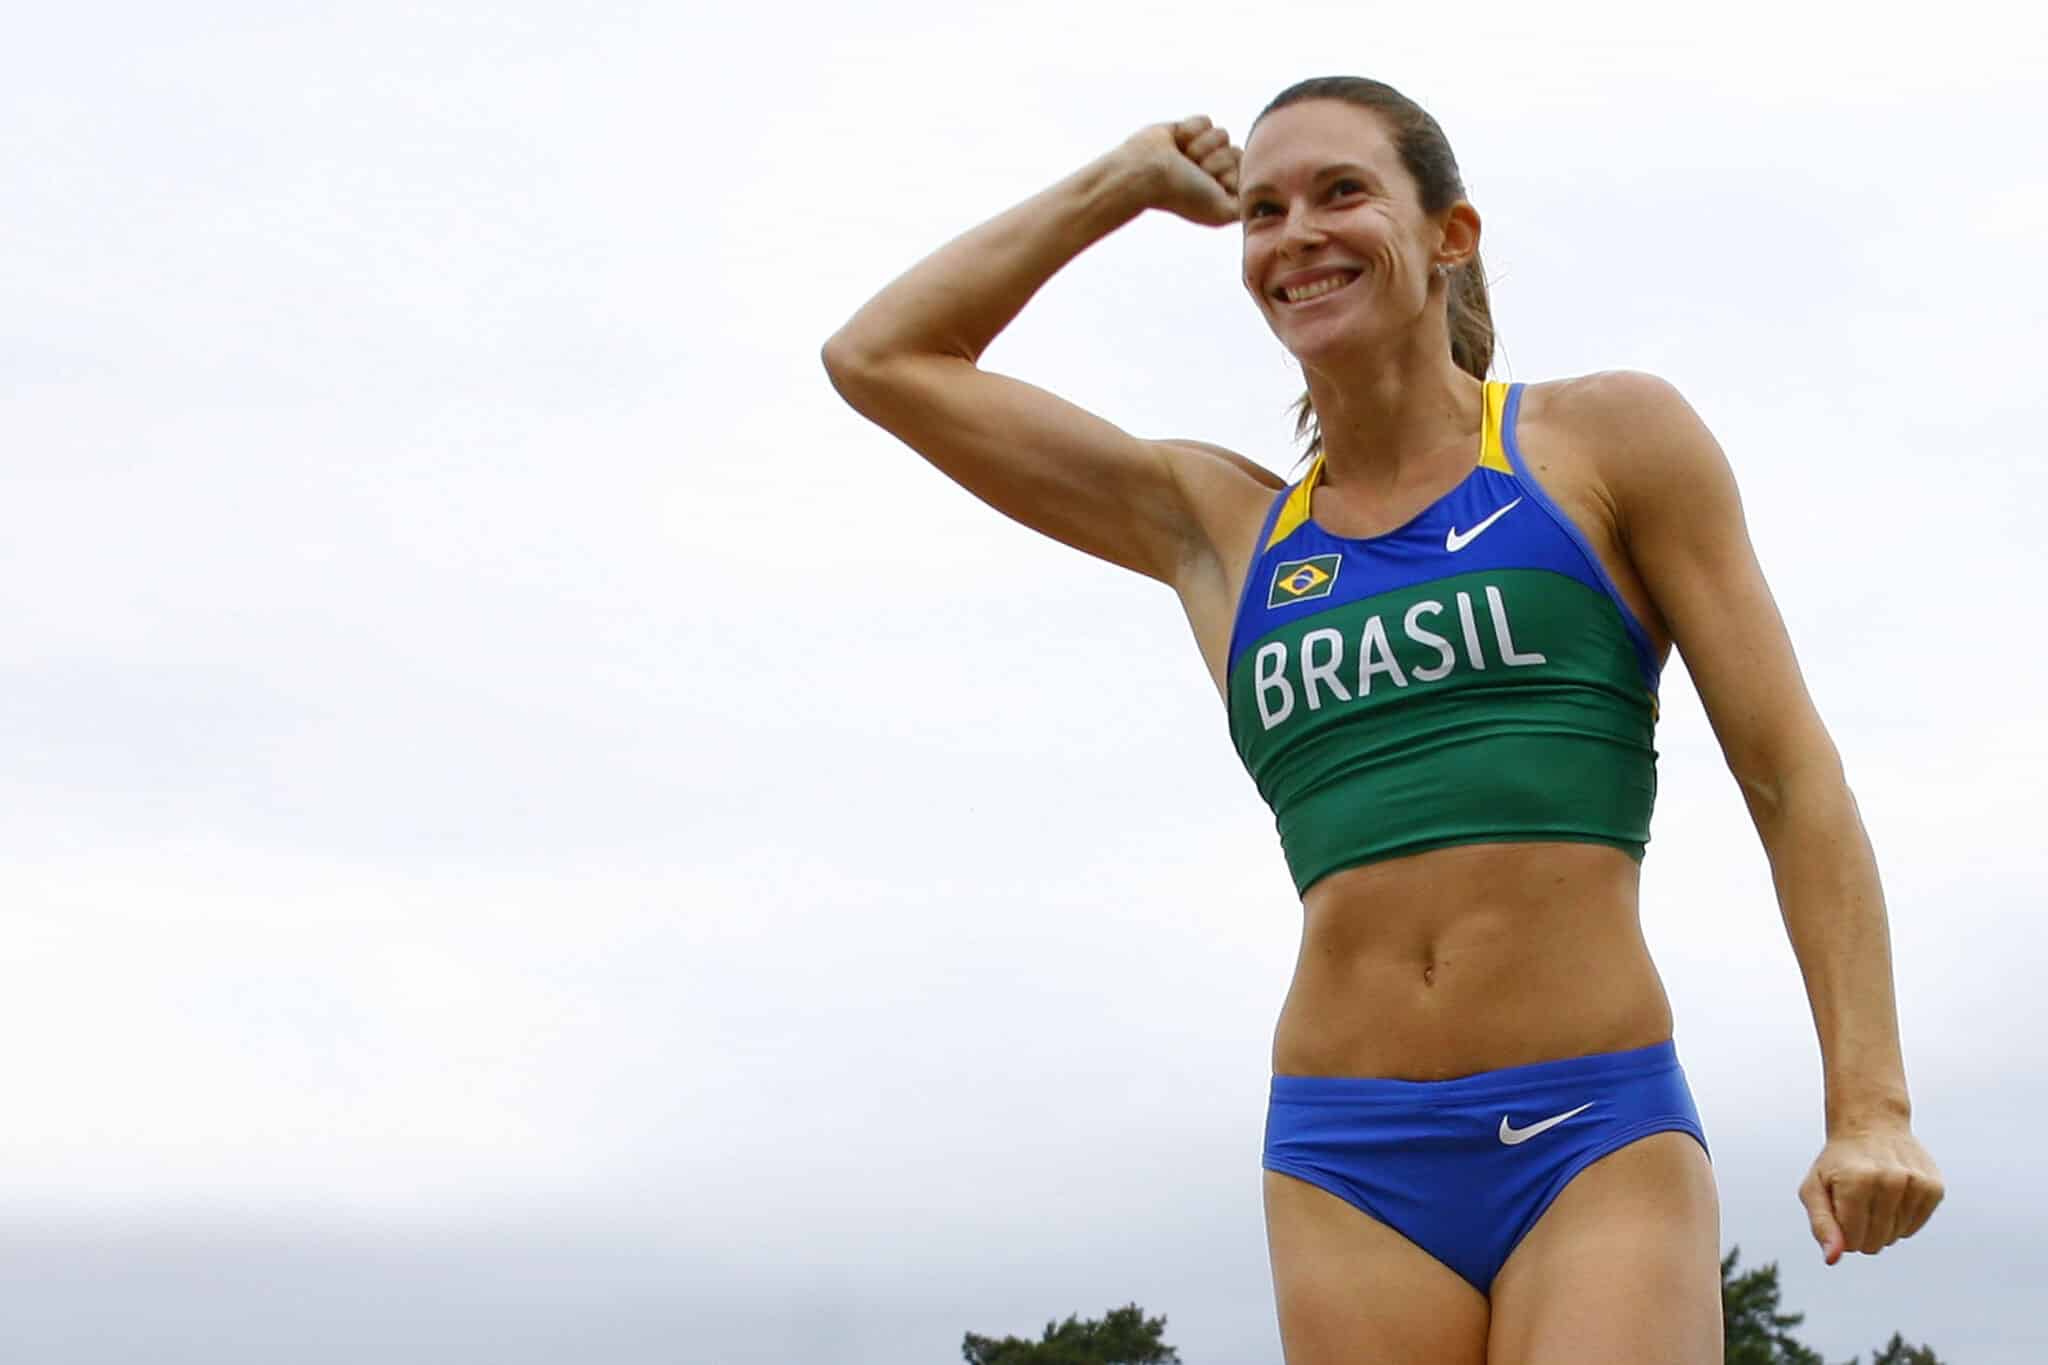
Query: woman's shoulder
pixel 1630 437
pixel 1604 402
pixel 1240 468
pixel 1618 425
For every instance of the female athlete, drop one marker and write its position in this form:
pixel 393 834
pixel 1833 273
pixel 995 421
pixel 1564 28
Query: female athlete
pixel 1439 653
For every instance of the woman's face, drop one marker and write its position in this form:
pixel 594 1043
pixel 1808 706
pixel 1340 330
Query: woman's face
pixel 1337 249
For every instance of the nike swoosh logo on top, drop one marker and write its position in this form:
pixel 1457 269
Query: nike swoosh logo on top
pixel 1511 1135
pixel 1455 540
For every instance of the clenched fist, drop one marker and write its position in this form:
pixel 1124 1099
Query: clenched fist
pixel 1192 168
pixel 1868 1190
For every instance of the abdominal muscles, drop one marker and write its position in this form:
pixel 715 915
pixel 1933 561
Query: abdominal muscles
pixel 1470 959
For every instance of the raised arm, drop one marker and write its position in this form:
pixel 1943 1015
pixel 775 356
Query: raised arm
pixel 1680 516
pixel 908 361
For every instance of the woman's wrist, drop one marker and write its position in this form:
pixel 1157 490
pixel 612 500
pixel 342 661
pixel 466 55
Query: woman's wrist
pixel 1119 185
pixel 1862 1105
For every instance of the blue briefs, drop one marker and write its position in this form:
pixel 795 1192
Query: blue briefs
pixel 1463 1168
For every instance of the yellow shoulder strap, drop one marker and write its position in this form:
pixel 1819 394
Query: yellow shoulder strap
pixel 1294 511
pixel 1492 453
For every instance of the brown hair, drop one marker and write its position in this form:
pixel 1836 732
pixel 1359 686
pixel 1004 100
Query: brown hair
pixel 1426 152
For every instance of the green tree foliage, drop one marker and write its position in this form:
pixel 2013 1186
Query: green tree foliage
pixel 1758 1334
pixel 1897 1352
pixel 1757 1331
pixel 1123 1336
pixel 1754 1331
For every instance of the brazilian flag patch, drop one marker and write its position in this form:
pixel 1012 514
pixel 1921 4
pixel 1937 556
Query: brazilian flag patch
pixel 1303 580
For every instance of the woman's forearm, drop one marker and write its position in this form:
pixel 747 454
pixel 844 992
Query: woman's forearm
pixel 958 299
pixel 1833 906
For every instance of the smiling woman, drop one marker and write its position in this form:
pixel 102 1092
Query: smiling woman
pixel 1440 652
pixel 1426 155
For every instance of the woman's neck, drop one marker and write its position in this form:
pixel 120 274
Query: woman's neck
pixel 1386 425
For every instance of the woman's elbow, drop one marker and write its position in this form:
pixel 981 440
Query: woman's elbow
pixel 843 354
pixel 1812 778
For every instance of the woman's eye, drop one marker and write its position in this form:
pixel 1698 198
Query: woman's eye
pixel 1263 208
pixel 1344 187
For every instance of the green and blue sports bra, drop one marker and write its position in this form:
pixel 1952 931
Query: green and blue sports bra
pixel 1471 677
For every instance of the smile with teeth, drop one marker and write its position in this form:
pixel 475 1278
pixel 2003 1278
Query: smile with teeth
pixel 1329 284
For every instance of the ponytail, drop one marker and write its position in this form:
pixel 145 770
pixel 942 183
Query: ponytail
pixel 1471 319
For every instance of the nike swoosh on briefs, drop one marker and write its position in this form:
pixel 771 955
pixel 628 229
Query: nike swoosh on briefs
pixel 1511 1135
pixel 1455 540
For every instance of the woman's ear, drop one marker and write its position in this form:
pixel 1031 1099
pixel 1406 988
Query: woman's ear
pixel 1461 234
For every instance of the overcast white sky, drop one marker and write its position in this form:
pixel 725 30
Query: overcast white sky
pixel 534 834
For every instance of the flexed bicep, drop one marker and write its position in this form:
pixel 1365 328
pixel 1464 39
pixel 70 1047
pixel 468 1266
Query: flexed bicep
pixel 1036 458
pixel 909 361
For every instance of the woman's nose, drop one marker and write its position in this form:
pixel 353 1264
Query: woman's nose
pixel 1300 233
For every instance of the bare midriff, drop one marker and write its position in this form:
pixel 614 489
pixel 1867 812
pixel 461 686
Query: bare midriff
pixel 1470 959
